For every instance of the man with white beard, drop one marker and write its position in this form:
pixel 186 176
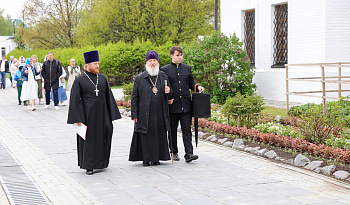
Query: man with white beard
pixel 149 110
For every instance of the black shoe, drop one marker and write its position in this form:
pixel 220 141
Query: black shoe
pixel 19 103
pixel 89 172
pixel 155 163
pixel 176 157
pixel 25 104
pixel 146 164
pixel 190 157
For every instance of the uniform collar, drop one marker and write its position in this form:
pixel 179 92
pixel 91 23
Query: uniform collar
pixel 175 64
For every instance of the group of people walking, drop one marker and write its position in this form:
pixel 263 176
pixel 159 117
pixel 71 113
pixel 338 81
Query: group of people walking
pixel 29 77
pixel 160 99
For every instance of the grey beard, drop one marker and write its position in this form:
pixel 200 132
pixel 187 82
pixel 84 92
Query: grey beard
pixel 152 72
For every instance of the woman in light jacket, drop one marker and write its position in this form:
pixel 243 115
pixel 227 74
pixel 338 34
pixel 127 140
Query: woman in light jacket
pixel 13 70
pixel 38 78
pixel 30 86
pixel 73 71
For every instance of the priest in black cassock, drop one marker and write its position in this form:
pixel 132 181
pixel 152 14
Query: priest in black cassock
pixel 92 103
pixel 149 110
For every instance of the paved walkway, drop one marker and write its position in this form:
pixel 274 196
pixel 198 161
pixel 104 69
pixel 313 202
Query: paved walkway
pixel 45 146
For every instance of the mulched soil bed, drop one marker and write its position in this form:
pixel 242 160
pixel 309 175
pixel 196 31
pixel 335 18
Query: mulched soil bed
pixel 282 153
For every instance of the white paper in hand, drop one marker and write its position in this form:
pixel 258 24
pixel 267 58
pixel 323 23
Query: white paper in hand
pixel 80 130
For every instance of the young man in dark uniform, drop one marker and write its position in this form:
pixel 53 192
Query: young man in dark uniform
pixel 180 108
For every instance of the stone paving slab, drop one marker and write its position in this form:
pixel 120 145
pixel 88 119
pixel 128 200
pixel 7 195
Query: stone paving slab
pixel 53 181
pixel 46 147
pixel 3 198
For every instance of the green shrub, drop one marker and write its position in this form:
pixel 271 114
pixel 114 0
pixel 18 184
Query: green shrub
pixel 278 129
pixel 341 141
pixel 127 90
pixel 317 128
pixel 218 116
pixel 300 109
pixel 120 62
pixel 342 106
pixel 245 106
pixel 221 65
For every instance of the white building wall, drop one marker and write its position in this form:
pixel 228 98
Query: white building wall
pixel 310 40
pixel 263 37
pixel 8 44
pixel 337 31
pixel 306 31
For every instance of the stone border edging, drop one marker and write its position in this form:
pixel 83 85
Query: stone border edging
pixel 299 161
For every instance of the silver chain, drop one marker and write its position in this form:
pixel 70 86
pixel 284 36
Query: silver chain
pixel 92 81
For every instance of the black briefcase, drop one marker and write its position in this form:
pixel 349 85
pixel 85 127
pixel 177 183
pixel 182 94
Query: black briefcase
pixel 201 105
pixel 200 109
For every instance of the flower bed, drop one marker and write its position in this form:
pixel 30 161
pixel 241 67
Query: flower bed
pixel 341 155
pixel 123 103
pixel 289 142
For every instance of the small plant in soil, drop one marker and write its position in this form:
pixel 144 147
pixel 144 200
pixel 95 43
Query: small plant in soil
pixel 329 162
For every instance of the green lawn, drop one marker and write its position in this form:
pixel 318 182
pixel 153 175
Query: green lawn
pixel 274 111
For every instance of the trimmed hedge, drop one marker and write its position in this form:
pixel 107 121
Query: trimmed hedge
pixel 120 62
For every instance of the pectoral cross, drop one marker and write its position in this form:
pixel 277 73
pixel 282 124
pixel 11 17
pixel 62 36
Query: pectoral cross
pixel 96 90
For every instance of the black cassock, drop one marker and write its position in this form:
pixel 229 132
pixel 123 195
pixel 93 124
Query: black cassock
pixel 97 113
pixel 153 145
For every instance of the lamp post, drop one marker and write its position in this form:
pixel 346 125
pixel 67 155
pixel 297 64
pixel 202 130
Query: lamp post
pixel 216 14
pixel 14 26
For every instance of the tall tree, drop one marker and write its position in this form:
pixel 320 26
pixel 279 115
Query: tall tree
pixel 51 24
pixel 156 20
pixel 6 26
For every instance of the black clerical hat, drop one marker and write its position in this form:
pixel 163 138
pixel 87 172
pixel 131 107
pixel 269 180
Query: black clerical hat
pixel 91 56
